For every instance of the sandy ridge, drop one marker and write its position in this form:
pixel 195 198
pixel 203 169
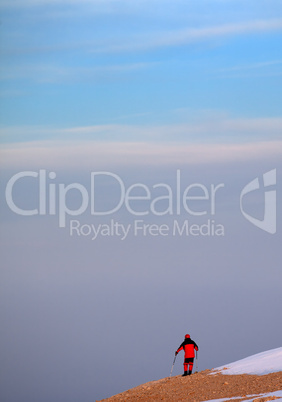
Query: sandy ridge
pixel 202 387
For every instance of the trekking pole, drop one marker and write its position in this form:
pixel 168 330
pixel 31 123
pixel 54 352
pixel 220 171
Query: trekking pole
pixel 172 366
pixel 196 362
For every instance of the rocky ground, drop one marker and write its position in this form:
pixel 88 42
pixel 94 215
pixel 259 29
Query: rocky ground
pixel 203 387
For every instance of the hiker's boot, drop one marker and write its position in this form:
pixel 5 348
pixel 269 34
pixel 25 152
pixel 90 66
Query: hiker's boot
pixel 185 373
pixel 190 372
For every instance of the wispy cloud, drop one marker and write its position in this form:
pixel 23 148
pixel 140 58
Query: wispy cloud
pixel 126 40
pixel 253 66
pixel 216 127
pixel 259 69
pixel 204 128
pixel 103 155
pixel 192 35
pixel 53 73
pixel 31 3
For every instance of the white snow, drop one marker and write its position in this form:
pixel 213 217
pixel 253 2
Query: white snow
pixel 277 394
pixel 260 364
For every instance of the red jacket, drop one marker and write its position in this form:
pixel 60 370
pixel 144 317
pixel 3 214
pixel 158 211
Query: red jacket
pixel 188 346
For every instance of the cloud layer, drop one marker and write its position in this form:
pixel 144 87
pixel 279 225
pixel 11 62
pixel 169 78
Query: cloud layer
pixel 91 154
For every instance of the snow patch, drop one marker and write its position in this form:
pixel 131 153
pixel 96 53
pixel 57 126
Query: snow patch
pixel 260 364
pixel 276 394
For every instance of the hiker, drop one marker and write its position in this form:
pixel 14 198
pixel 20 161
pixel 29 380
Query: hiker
pixel 189 347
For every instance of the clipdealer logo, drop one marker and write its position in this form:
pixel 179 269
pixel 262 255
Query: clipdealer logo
pixel 138 200
pixel 161 199
pixel 268 223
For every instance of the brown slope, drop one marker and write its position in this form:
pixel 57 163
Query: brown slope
pixel 202 387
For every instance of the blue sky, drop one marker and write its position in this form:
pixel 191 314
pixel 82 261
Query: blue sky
pixel 143 90
pixel 67 64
